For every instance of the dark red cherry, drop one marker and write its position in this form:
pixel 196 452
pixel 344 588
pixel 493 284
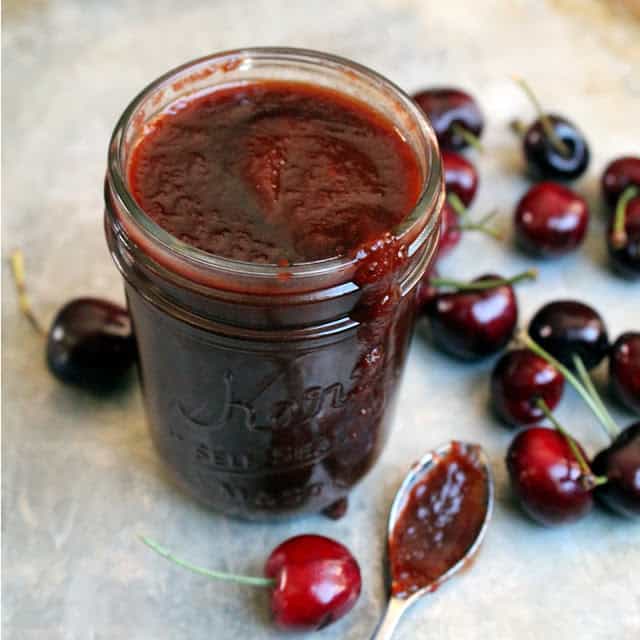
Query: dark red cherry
pixel 551 220
pixel 620 174
pixel 453 113
pixel 90 343
pixel 568 327
pixel 546 160
pixel 624 248
pixel 460 177
pixel 519 378
pixel 546 477
pixel 450 232
pixel 624 370
pixel 317 581
pixel 620 464
pixel 473 324
pixel 313 580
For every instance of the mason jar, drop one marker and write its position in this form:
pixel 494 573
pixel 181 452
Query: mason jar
pixel 269 390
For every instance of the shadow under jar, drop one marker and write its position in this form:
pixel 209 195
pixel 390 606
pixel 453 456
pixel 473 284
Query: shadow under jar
pixel 269 382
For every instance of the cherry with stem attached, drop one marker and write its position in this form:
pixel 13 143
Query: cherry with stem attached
pixel 620 174
pixel 549 473
pixel 620 461
pixel 90 342
pixel 314 580
pixel 455 116
pixel 553 147
pixel 475 319
pixel 518 380
pixel 623 239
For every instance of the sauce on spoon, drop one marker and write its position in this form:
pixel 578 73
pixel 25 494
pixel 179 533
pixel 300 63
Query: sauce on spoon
pixel 439 522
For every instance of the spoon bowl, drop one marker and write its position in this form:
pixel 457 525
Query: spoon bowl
pixel 421 471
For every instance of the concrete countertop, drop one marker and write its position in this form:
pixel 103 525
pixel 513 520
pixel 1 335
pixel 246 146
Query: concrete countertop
pixel 80 478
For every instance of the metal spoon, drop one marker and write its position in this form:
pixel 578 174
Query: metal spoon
pixel 396 605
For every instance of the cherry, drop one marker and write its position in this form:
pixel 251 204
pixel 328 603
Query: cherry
pixel 551 220
pixel 620 464
pixel 624 370
pixel 318 581
pixel 618 175
pixel 460 177
pixel 450 231
pixel 518 380
pixel 547 161
pixel 568 328
pixel 454 115
pixel 553 146
pixel 623 239
pixel 476 320
pixel 90 343
pixel 547 477
pixel 314 580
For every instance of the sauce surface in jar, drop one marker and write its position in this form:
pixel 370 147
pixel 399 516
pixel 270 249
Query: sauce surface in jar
pixel 439 522
pixel 274 172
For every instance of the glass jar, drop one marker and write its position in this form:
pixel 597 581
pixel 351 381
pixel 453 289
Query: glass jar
pixel 269 390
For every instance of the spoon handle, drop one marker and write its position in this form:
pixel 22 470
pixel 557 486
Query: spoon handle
pixel 386 627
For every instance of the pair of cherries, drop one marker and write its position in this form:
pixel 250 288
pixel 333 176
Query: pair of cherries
pixel 548 469
pixel 554 148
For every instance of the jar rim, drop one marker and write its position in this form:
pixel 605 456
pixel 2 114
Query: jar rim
pixel 428 200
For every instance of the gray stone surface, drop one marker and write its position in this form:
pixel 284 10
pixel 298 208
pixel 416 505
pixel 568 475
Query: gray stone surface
pixel 79 476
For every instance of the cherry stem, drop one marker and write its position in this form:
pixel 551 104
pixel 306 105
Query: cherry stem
pixel 518 127
pixel 609 423
pixel 457 205
pixel 481 285
pixel 619 235
pixel 466 225
pixel 547 125
pixel 481 225
pixel 591 480
pixel 218 575
pixel 17 269
pixel 470 138
pixel 573 381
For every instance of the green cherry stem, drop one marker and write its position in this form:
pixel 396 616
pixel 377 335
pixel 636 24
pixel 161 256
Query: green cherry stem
pixel 471 139
pixel 17 270
pixel 518 127
pixel 619 234
pixel 481 285
pixel 573 381
pixel 466 224
pixel 591 480
pixel 218 575
pixel 609 423
pixel 556 142
pixel 481 225
pixel 457 205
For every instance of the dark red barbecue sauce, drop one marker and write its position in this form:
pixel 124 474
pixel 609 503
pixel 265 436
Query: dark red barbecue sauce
pixel 274 172
pixel 440 521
